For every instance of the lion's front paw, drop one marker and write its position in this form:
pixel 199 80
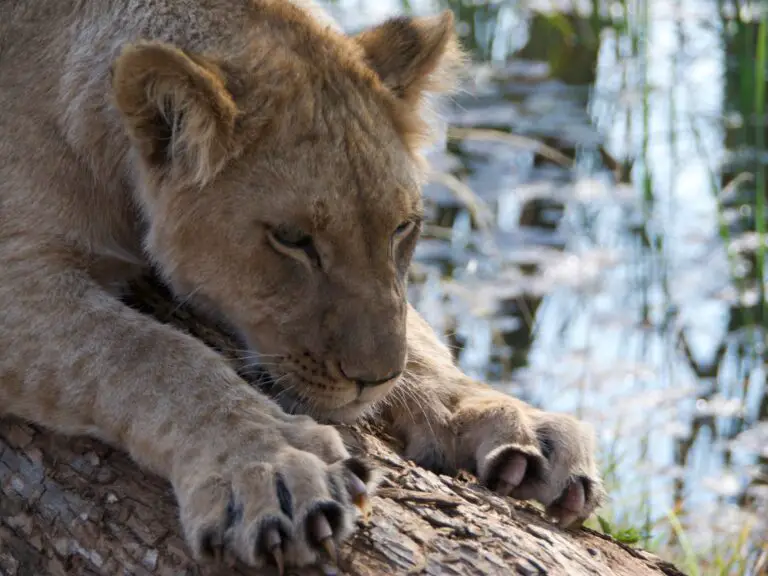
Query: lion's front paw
pixel 261 496
pixel 528 454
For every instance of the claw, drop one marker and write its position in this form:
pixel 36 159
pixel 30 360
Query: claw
pixel 359 493
pixel 323 534
pixel 568 509
pixel 511 474
pixel 272 538
pixel 366 512
pixel 330 549
pixel 273 543
pixel 575 497
pixel 363 504
pixel 514 471
pixel 329 570
pixel 568 521
pixel 320 527
pixel 357 490
pixel 277 556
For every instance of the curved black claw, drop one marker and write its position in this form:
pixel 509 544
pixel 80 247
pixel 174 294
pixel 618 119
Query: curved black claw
pixel 322 533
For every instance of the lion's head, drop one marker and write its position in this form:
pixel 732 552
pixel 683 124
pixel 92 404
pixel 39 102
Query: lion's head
pixel 281 183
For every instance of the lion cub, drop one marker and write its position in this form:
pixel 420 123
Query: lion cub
pixel 267 166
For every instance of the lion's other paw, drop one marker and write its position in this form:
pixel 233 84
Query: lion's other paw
pixel 528 454
pixel 572 488
pixel 569 494
pixel 285 507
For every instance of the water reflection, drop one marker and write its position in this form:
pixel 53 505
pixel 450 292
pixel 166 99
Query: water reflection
pixel 616 147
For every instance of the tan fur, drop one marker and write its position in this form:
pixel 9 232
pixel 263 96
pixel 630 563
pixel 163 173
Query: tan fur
pixel 209 138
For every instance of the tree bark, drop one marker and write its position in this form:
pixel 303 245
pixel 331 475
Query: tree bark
pixel 76 506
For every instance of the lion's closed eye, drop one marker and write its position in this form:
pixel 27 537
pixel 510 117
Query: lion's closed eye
pixel 404 228
pixel 294 242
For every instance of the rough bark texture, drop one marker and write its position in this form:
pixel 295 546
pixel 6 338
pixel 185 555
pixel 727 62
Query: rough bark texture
pixel 75 506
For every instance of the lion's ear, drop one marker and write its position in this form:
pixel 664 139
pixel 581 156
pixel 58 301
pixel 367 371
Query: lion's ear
pixel 413 55
pixel 176 109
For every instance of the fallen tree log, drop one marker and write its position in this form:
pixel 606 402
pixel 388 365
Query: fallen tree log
pixel 73 506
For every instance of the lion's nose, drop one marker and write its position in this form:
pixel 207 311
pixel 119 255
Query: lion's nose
pixel 367 380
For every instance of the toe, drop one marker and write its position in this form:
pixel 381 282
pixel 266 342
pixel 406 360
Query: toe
pixel 211 543
pixel 510 467
pixel 206 514
pixel 321 534
pixel 270 543
pixel 570 509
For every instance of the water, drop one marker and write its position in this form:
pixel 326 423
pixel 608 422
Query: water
pixel 615 273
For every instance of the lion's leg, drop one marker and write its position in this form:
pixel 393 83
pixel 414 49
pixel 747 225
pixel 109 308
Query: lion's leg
pixel 247 476
pixel 449 421
pixel 77 360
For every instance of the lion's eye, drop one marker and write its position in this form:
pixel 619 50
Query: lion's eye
pixel 294 242
pixel 291 237
pixel 404 228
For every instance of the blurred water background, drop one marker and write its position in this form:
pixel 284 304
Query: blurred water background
pixel 597 243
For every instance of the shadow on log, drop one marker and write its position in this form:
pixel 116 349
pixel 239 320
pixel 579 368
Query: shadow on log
pixel 73 506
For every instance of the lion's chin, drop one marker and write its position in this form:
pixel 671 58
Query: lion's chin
pixel 347 413
pixel 327 410
pixel 365 403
